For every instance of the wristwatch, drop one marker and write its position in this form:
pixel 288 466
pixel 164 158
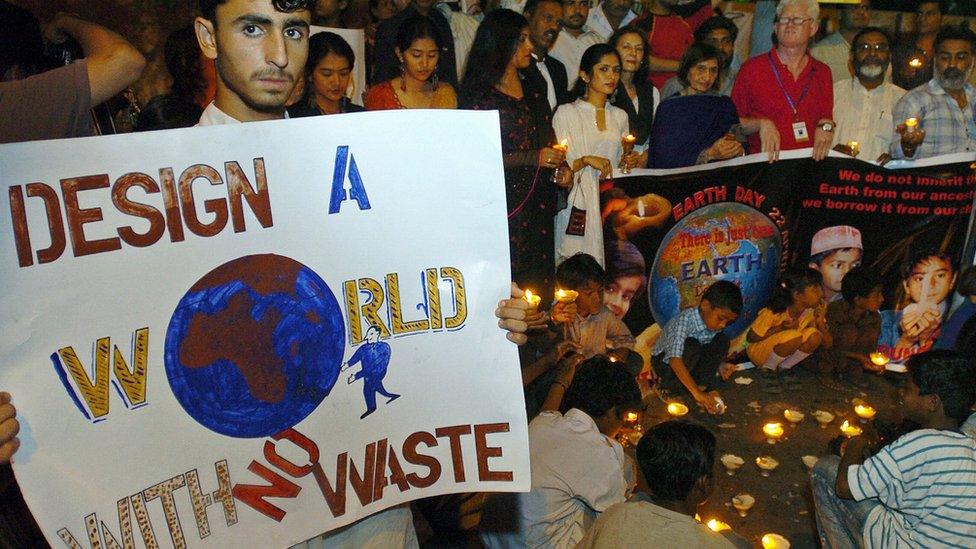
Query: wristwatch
pixel 827 126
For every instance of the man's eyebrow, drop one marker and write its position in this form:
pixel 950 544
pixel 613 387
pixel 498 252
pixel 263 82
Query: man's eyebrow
pixel 296 22
pixel 253 19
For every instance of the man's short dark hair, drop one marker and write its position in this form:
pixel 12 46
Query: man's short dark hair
pixel 673 455
pixel 21 44
pixel 716 22
pixel 869 30
pixel 948 374
pixel 208 8
pixel 724 294
pixel 579 270
pixel 599 385
pixel 860 285
pixel 531 5
pixel 952 32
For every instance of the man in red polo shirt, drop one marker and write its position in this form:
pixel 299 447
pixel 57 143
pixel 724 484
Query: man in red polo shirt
pixel 785 97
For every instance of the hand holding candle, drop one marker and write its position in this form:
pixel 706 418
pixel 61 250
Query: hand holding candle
pixel 911 136
pixel 627 142
pixel 532 299
pixel 854 147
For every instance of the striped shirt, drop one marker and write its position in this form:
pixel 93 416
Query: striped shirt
pixel 948 129
pixel 926 483
pixel 687 323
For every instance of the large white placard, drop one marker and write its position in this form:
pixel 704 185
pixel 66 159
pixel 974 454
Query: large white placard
pixel 246 335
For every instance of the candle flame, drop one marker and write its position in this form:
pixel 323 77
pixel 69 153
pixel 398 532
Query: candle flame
pixel 879 358
pixel 773 430
pixel 677 409
pixel 716 525
pixel 864 411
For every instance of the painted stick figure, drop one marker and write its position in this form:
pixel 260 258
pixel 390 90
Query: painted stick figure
pixel 375 357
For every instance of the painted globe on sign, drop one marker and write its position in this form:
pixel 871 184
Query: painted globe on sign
pixel 724 241
pixel 254 346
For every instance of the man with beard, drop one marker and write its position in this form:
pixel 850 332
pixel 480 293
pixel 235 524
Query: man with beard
pixel 863 105
pixel 546 75
pixel 574 38
pixel 834 49
pixel 609 16
pixel 943 107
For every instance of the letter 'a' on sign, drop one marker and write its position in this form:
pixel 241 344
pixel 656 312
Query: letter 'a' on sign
pixel 357 191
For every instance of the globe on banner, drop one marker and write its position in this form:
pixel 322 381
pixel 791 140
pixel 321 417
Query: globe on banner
pixel 724 241
pixel 254 346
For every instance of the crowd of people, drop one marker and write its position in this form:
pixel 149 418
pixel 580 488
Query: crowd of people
pixel 581 91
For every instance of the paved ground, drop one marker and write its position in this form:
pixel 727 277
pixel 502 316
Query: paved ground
pixel 783 501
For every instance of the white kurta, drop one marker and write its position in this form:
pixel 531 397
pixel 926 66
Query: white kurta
pixel 576 123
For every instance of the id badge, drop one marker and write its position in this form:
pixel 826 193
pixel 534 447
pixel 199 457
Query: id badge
pixel 577 222
pixel 800 132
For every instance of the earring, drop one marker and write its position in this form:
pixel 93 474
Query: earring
pixel 403 79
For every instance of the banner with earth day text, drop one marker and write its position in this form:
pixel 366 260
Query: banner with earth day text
pixel 247 335
pixel 744 220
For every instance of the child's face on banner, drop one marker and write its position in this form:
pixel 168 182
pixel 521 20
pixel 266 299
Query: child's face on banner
pixel 836 265
pixel 620 292
pixel 930 281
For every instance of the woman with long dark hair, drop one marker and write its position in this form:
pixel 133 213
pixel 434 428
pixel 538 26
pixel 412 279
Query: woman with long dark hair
pixel 327 73
pixel 418 49
pixel 492 82
pixel 593 129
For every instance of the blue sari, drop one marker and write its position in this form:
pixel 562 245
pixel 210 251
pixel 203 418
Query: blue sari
pixel 684 126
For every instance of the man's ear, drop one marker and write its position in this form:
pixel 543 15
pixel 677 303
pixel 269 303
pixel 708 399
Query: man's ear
pixel 206 36
pixel 934 403
pixel 703 486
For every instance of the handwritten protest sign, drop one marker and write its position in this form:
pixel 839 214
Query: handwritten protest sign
pixel 250 334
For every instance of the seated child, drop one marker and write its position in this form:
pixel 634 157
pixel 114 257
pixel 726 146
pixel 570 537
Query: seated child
pixel 953 325
pixel 677 459
pixel 927 279
pixel 834 251
pixel 917 490
pixel 578 468
pixel 691 346
pixel 594 326
pixel 792 325
pixel 854 325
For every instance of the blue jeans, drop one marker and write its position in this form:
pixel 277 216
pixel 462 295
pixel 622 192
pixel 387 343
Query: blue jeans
pixel 839 521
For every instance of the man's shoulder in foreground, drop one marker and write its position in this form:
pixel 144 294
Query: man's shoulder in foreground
pixel 640 523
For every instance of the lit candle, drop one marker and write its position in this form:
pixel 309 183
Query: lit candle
pixel 809 461
pixel 742 503
pixel 823 418
pixel 640 207
pixel 532 298
pixel 773 432
pixel 915 62
pixel 566 296
pixel 631 418
pixel 911 124
pixel 793 416
pixel 731 462
pixel 775 541
pixel 766 464
pixel 850 430
pixel 864 411
pixel 677 409
pixel 716 525
pixel 562 145
pixel 855 147
pixel 880 359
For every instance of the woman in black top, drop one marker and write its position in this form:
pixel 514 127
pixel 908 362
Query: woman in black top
pixel 327 73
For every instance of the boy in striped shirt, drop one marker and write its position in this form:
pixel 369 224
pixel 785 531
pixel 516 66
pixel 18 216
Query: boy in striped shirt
pixel 918 491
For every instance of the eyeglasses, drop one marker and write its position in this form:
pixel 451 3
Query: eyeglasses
pixel 878 48
pixel 795 21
